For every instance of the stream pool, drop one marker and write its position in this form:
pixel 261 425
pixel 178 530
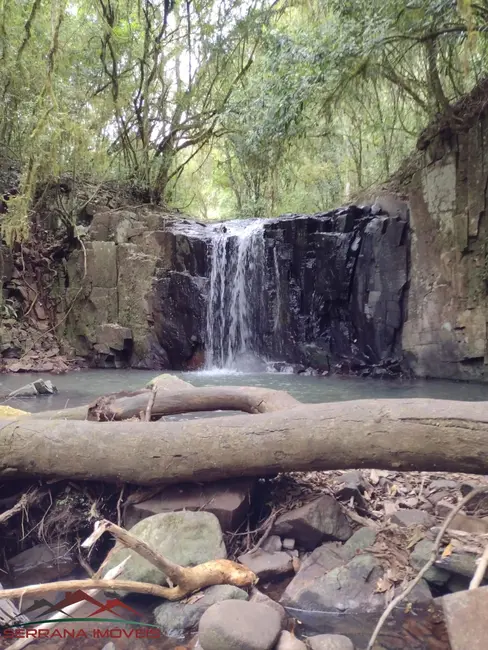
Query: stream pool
pixel 81 387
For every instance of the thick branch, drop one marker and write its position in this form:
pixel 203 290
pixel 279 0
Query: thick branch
pixel 215 572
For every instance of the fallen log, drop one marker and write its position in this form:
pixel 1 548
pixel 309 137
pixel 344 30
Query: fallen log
pixel 126 405
pixel 249 399
pixel 403 434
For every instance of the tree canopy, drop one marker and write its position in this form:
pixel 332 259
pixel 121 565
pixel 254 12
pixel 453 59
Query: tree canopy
pixel 228 108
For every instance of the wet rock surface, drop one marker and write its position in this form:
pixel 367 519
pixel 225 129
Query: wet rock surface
pixel 176 619
pixel 239 625
pixel 330 642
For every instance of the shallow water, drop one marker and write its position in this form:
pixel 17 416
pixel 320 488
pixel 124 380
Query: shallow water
pixel 81 387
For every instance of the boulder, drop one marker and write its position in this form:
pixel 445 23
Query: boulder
pixel 288 641
pixel 178 618
pixel 239 625
pixel 187 538
pixel 229 501
pixel 268 566
pixel 466 620
pixel 342 600
pixel 168 382
pixel 313 523
pixel 262 599
pixel 330 642
pixel 41 563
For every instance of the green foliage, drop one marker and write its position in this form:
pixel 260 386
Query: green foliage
pixel 228 108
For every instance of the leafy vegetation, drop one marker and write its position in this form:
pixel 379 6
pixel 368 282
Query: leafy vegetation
pixel 228 108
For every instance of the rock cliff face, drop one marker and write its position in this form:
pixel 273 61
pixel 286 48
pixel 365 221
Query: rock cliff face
pixel 335 286
pixel 141 290
pixel 329 289
pixel 444 334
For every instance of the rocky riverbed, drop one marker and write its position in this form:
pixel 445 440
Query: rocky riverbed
pixel 330 549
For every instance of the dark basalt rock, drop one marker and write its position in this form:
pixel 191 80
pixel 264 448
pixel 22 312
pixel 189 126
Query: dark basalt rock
pixel 335 286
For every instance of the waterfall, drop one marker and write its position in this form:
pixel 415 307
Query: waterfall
pixel 235 294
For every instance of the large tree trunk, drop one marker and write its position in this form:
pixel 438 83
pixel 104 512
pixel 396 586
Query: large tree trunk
pixel 125 405
pixel 410 434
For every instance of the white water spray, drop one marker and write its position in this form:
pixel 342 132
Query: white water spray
pixel 235 293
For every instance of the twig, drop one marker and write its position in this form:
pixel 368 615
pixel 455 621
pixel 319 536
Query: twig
pixel 22 503
pixel 269 525
pixel 424 569
pixel 150 403
pixel 480 570
pixel 119 504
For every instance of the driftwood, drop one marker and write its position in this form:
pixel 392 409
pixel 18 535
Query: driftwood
pixel 405 434
pixel 184 580
pixel 156 403
pixel 248 399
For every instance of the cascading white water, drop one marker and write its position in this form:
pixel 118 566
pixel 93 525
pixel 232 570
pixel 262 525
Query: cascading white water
pixel 235 293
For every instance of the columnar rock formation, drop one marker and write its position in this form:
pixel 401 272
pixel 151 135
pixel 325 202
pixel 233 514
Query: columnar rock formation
pixel 445 331
pixel 327 290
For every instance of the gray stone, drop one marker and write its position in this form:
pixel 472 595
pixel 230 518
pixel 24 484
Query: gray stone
pixel 268 566
pixel 229 501
pixel 457 583
pixel 168 382
pixel 361 540
pixel 458 562
pixel 41 563
pixel 37 387
pixel 113 336
pixel 419 557
pixel 178 618
pixel 443 484
pixel 477 502
pixel 262 599
pixel 342 600
pixel 353 485
pixel 272 544
pixel 468 524
pixel 239 625
pixel 466 620
pixel 187 538
pixel 336 590
pixel 109 646
pixel 313 523
pixel 288 544
pixel 330 642
pixel 406 518
pixel 288 641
